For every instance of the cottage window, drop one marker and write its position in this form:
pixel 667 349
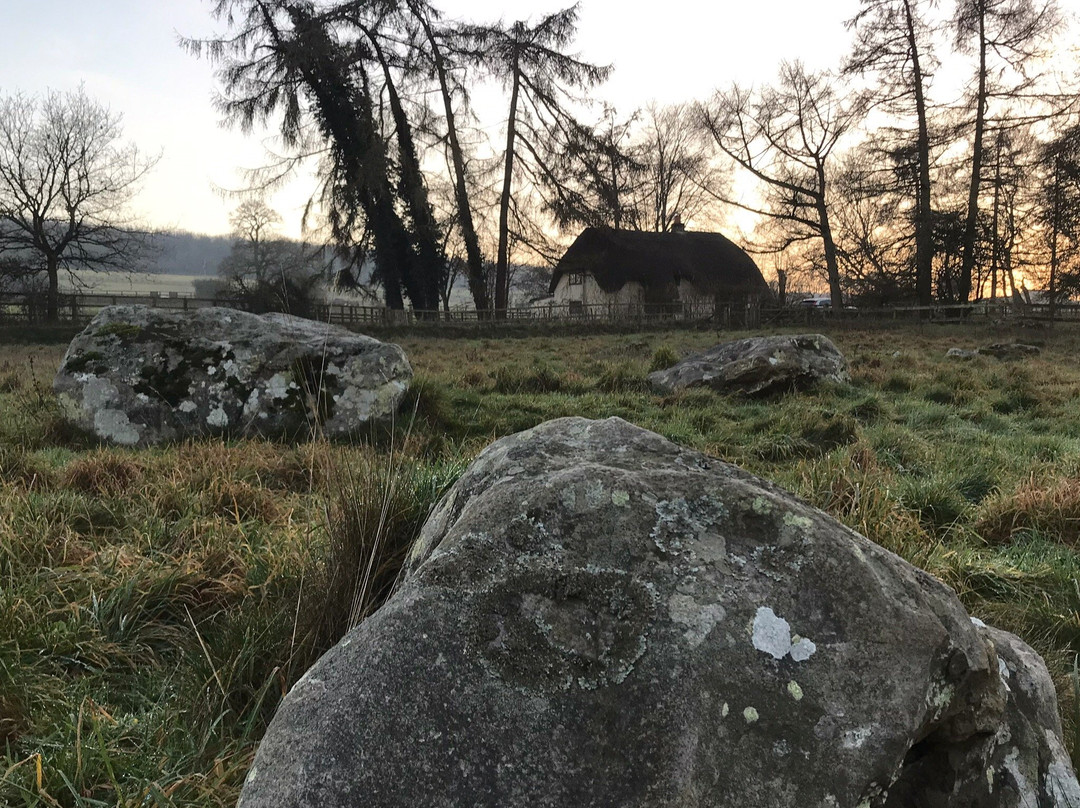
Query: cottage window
pixel 576 278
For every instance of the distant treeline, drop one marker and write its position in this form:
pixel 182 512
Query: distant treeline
pixel 188 254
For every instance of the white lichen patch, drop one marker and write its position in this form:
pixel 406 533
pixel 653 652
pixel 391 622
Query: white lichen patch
pixel 99 393
pixel 251 406
pixel 761 506
pixel 114 425
pixel 279 385
pixel 218 418
pixel 795 690
pixel 771 634
pixel 1060 782
pixel 698 618
pixel 1003 672
pixel 855 738
pixel 187 406
pixel 750 715
pixel 620 498
pixel 725 710
pixel 802 649
pixel 1028 796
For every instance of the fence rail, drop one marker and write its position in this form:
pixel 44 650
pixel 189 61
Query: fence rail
pixel 79 309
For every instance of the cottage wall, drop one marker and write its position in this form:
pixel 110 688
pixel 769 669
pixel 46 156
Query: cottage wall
pixel 589 293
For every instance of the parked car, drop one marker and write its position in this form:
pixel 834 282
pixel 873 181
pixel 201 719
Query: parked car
pixel 816 302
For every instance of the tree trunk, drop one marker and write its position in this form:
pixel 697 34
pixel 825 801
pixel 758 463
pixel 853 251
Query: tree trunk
pixel 52 301
pixel 347 118
pixel 832 265
pixel 430 262
pixel 1055 228
pixel 616 208
pixel 502 291
pixel 924 235
pixel 995 252
pixel 474 259
pixel 971 225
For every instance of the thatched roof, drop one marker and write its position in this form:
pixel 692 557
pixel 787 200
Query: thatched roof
pixel 709 261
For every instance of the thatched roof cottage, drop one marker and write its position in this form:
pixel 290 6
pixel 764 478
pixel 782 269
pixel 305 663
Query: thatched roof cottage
pixel 656 271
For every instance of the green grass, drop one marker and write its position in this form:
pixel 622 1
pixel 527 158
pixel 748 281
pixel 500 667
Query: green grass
pixel 155 605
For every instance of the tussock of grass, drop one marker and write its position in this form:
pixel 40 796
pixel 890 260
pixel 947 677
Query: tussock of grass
pixel 1047 507
pixel 516 379
pixel 621 377
pixel 936 500
pixel 663 357
pixel 103 474
pixel 375 516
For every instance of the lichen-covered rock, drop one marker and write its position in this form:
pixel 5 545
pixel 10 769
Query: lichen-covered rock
pixel 960 353
pixel 1010 350
pixel 757 365
pixel 139 375
pixel 1015 759
pixel 593 616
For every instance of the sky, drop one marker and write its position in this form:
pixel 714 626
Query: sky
pixel 125 54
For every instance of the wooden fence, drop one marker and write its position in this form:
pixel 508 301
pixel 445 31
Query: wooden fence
pixel 79 309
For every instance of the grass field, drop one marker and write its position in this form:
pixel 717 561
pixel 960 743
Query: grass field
pixel 155 605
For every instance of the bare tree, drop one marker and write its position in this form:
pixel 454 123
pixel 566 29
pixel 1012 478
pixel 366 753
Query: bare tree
pixel 891 42
pixel 441 50
pixel 874 253
pixel 264 270
pixel 593 174
pixel 1013 32
pixel 1058 213
pixel 680 176
pixel 785 136
pixel 529 58
pixel 637 173
pixel 66 179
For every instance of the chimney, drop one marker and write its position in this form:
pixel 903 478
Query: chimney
pixel 676 224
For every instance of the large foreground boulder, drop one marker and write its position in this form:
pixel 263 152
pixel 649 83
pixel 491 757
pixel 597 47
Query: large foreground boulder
pixel 594 616
pixel 139 375
pixel 757 365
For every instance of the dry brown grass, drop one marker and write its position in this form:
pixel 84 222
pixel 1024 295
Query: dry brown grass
pixel 104 473
pixel 1049 507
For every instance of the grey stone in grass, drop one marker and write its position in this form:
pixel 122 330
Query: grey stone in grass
pixel 139 375
pixel 1010 350
pixel 960 353
pixel 757 365
pixel 594 616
